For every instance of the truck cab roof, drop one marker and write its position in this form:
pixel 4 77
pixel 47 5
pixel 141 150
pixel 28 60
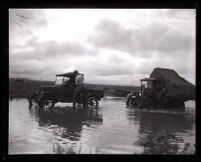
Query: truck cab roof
pixel 151 79
pixel 147 79
pixel 69 74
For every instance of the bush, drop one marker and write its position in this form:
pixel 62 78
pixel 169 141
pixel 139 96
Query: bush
pixel 164 143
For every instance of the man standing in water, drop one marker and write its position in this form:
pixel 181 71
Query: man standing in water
pixel 79 85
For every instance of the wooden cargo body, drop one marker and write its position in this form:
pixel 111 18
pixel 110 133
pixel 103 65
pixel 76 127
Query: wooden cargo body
pixel 177 87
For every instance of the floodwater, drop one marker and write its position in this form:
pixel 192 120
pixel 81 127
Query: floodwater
pixel 112 129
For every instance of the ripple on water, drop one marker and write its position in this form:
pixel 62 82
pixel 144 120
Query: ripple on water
pixel 112 129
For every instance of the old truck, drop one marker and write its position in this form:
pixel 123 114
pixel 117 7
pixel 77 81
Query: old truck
pixel 47 96
pixel 164 88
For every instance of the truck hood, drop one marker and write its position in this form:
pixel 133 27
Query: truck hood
pixel 92 87
pixel 48 88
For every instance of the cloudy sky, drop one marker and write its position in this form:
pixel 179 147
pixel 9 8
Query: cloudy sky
pixel 110 46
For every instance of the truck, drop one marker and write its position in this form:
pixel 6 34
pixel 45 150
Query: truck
pixel 62 91
pixel 164 88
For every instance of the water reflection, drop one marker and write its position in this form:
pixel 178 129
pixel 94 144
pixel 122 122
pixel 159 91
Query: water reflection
pixel 174 124
pixel 68 121
pixel 156 120
pixel 82 131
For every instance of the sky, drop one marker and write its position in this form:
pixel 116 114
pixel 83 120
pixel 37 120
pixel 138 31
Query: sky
pixel 110 46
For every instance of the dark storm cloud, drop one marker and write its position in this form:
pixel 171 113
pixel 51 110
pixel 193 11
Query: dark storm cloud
pixel 106 56
pixel 110 34
pixel 114 71
pixel 48 49
pixel 51 48
pixel 183 66
pixel 35 68
pixel 39 58
pixel 30 66
pixel 176 42
pixel 154 37
pixel 114 66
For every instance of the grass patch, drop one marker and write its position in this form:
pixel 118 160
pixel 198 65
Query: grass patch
pixel 25 88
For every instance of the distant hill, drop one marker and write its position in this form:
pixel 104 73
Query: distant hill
pixel 23 88
pixel 114 90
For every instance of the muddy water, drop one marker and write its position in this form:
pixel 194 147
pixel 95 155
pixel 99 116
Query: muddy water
pixel 113 129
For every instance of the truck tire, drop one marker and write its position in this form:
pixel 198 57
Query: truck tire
pixel 136 103
pixel 46 104
pixel 33 100
pixel 128 101
pixel 92 103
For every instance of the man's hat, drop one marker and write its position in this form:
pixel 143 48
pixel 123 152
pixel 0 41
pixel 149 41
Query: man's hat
pixel 76 72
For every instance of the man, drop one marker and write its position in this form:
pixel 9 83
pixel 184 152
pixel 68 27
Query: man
pixel 75 73
pixel 79 85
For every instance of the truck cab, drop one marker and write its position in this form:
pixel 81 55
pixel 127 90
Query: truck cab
pixel 152 93
pixel 149 86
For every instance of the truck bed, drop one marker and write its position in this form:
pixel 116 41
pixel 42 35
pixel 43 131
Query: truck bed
pixel 175 84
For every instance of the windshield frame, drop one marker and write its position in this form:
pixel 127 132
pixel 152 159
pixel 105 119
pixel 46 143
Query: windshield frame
pixel 147 84
pixel 62 80
pixel 144 85
pixel 59 80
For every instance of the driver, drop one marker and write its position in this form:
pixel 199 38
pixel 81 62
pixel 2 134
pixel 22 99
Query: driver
pixel 79 85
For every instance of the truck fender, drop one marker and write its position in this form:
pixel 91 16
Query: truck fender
pixel 47 94
pixel 91 95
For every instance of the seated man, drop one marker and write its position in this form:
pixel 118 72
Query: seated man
pixel 79 85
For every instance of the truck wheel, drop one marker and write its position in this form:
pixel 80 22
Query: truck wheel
pixel 148 103
pixel 135 103
pixel 33 100
pixel 92 103
pixel 128 101
pixel 46 104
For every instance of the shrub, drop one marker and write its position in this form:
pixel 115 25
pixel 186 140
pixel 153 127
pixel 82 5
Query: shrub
pixel 164 143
